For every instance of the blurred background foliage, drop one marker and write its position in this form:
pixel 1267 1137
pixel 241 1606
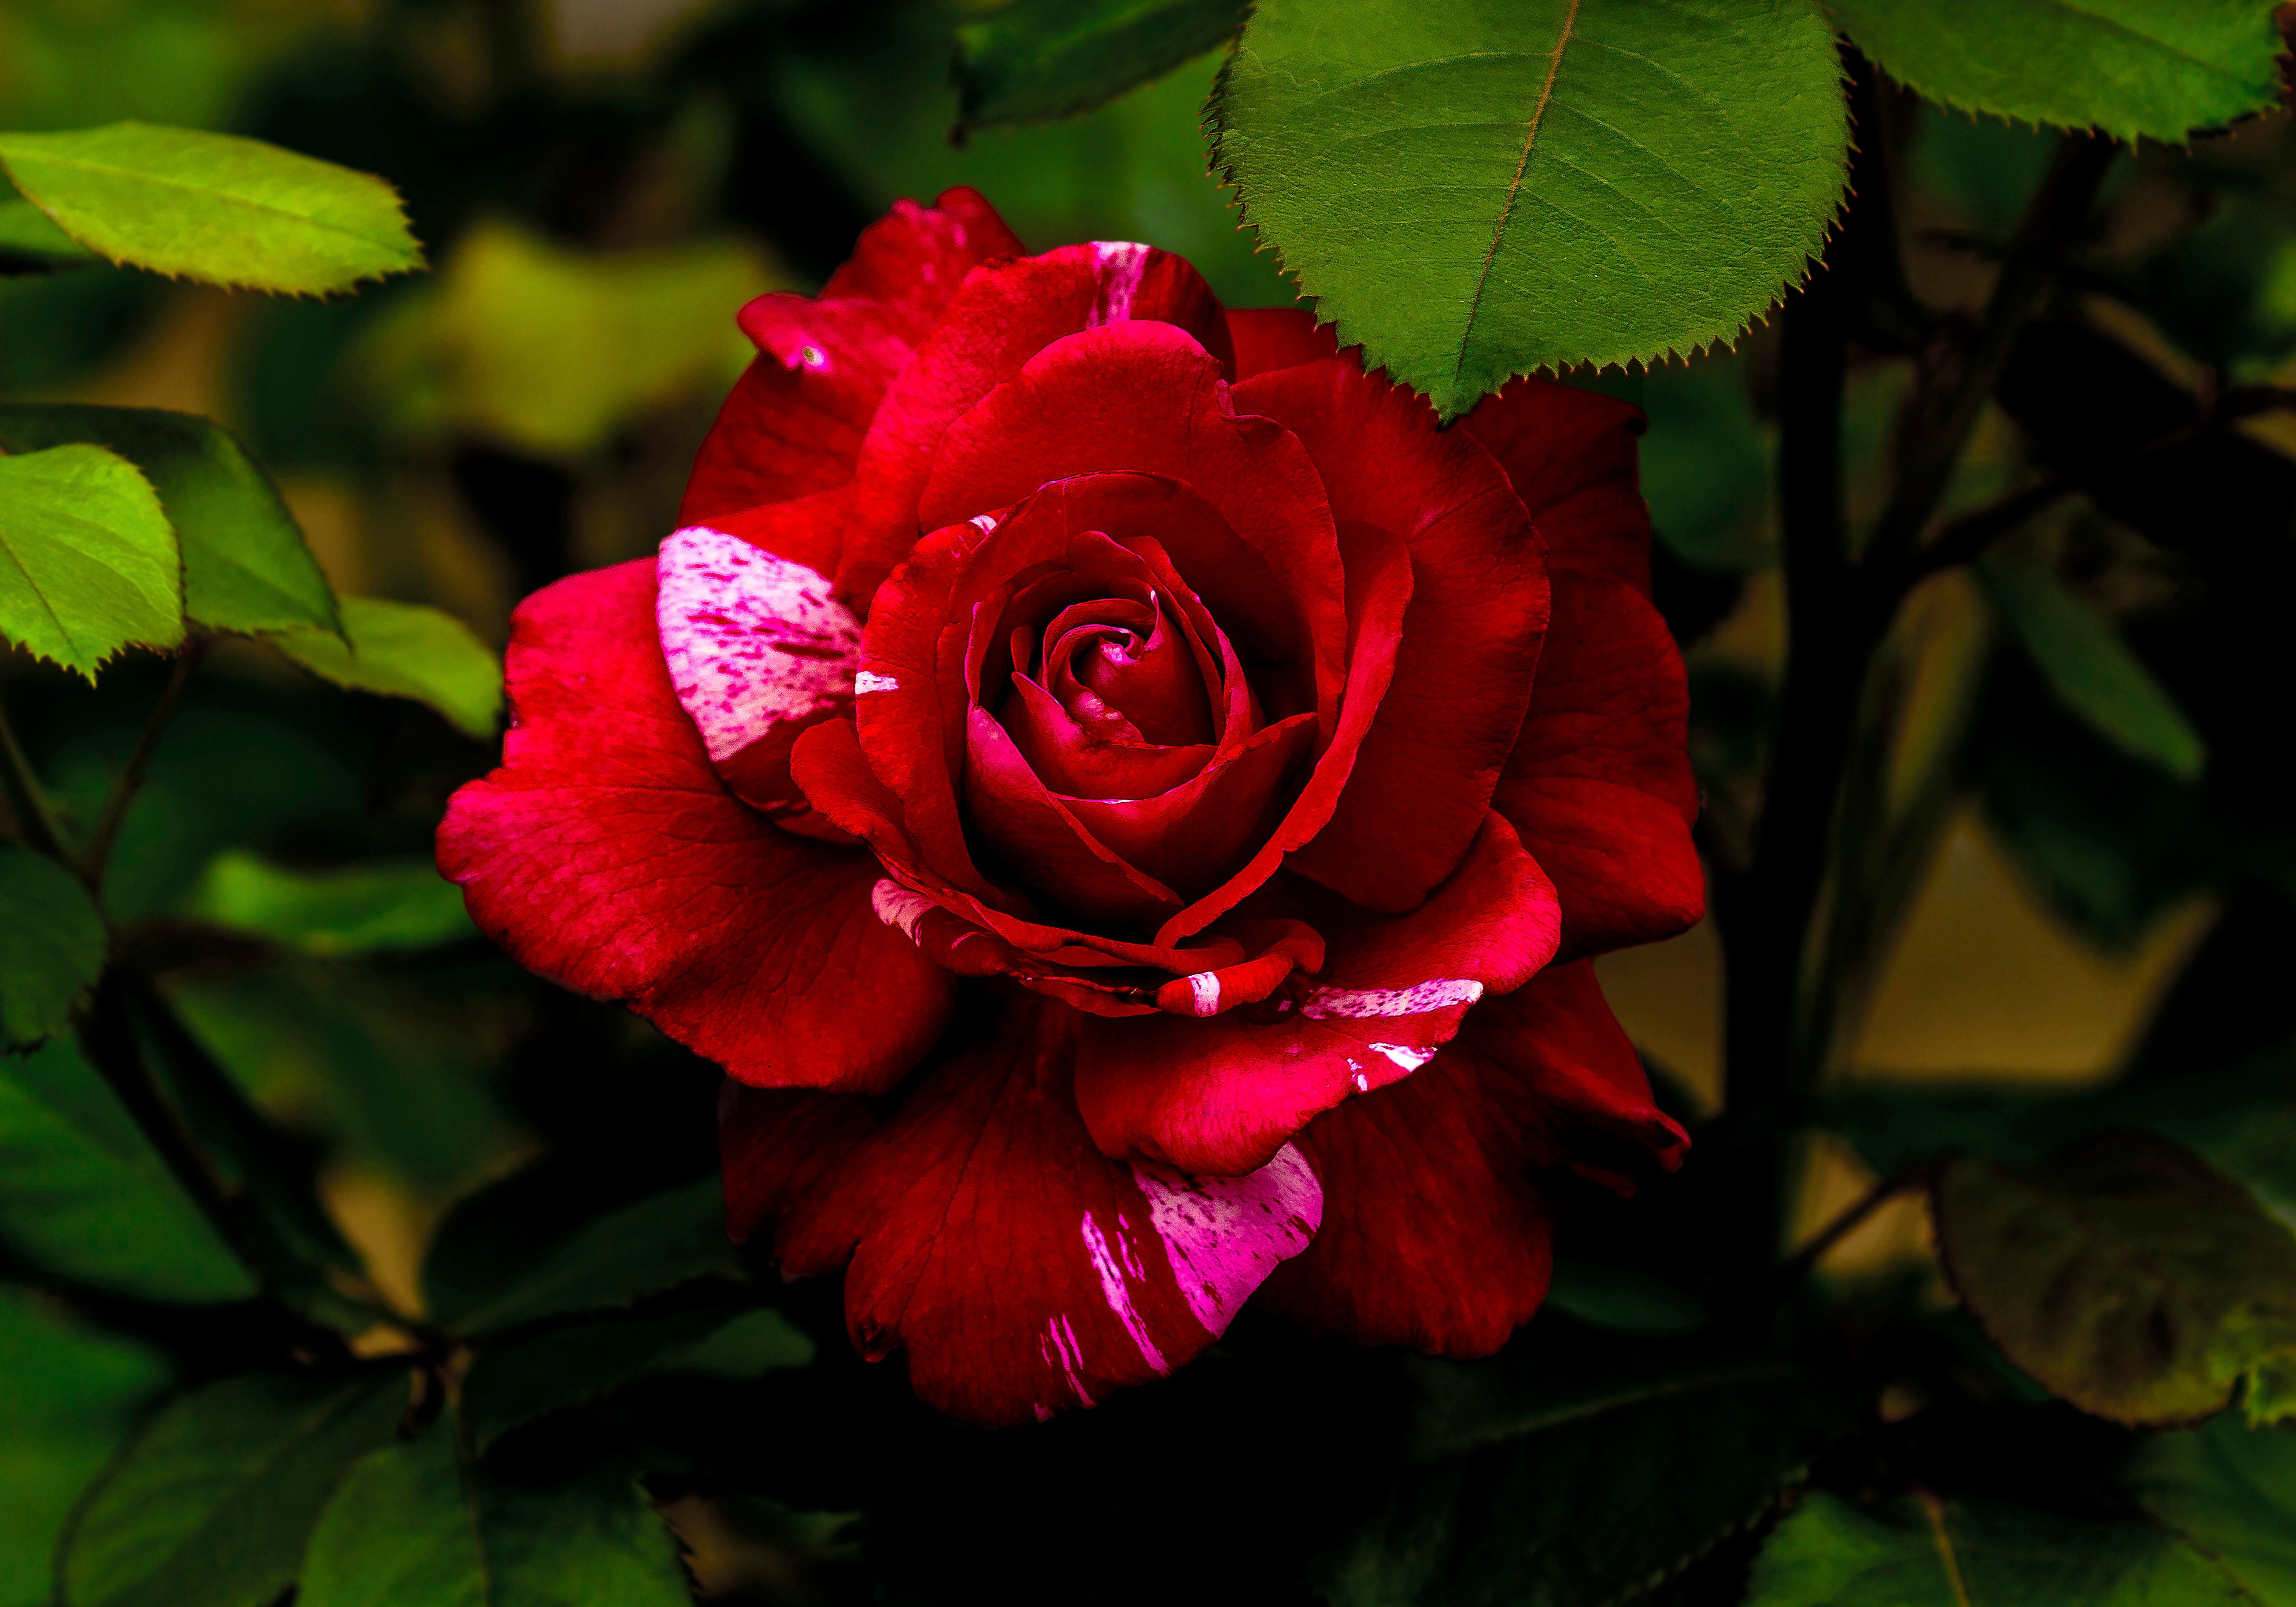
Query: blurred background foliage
pixel 2087 874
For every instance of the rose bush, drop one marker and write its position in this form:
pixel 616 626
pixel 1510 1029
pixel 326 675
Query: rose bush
pixel 1127 800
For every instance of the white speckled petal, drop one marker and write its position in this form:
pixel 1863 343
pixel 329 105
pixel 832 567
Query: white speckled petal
pixel 753 640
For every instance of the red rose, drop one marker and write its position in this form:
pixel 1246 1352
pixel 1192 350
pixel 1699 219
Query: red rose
pixel 1174 781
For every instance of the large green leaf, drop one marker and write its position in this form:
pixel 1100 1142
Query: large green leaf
pixel 68 1396
pixel 380 906
pixel 88 563
pixel 2231 1490
pixel 215 207
pixel 2158 67
pixel 2089 666
pixel 82 1195
pixel 416 1526
pixel 246 567
pixel 51 946
pixel 406 649
pixel 671 1239
pixel 1585 1472
pixel 1914 1552
pixel 212 1504
pixel 2124 1274
pixel 1045 58
pixel 532 1375
pixel 1477 189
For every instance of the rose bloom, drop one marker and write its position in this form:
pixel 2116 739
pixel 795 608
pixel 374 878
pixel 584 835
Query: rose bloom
pixel 1128 801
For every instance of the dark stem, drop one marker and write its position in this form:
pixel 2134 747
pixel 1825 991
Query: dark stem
pixel 2058 211
pixel 1903 1181
pixel 107 1037
pixel 1837 613
pixel 130 781
pixel 27 804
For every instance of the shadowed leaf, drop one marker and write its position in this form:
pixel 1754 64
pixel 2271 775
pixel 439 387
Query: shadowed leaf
pixel 1045 58
pixel 2158 67
pixel 51 946
pixel 2124 1275
pixel 246 567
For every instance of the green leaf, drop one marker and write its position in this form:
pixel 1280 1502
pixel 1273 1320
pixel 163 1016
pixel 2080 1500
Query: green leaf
pixel 246 567
pixel 68 1396
pixel 215 207
pixel 1046 58
pixel 2087 664
pixel 212 1504
pixel 26 237
pixel 1588 1470
pixel 381 906
pixel 82 1196
pixel 2162 68
pixel 1475 190
pixel 2124 1274
pixel 2230 1490
pixel 405 650
pixel 1917 1553
pixel 671 1239
pixel 1625 1298
pixel 88 563
pixel 532 1375
pixel 51 946
pixel 416 1526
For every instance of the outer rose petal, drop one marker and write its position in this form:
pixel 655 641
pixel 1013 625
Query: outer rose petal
pixel 607 855
pixel 1220 1095
pixel 1571 453
pixel 1268 337
pixel 1470 638
pixel 795 420
pixel 1005 314
pixel 1433 1236
pixel 1599 783
pixel 1022 1272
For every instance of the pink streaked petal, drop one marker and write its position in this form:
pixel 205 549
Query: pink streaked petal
pixel 753 641
pixel 1021 1271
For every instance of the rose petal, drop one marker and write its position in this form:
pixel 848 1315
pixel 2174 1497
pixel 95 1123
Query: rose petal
pixel 1268 338
pixel 1433 1236
pixel 757 651
pixel 1004 315
pixel 1571 455
pixel 1220 1095
pixel 795 420
pixel 607 855
pixel 1022 1273
pixel 1144 398
pixel 1599 783
pixel 1471 639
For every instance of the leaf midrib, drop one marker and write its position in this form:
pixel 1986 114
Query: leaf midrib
pixel 1514 188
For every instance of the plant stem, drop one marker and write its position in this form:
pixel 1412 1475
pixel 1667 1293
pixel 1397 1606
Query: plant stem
pixel 27 804
pixel 2057 211
pixel 1838 611
pixel 1809 1255
pixel 131 780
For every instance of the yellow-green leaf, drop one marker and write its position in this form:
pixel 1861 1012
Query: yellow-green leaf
pixel 88 561
pixel 213 207
pixel 405 650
